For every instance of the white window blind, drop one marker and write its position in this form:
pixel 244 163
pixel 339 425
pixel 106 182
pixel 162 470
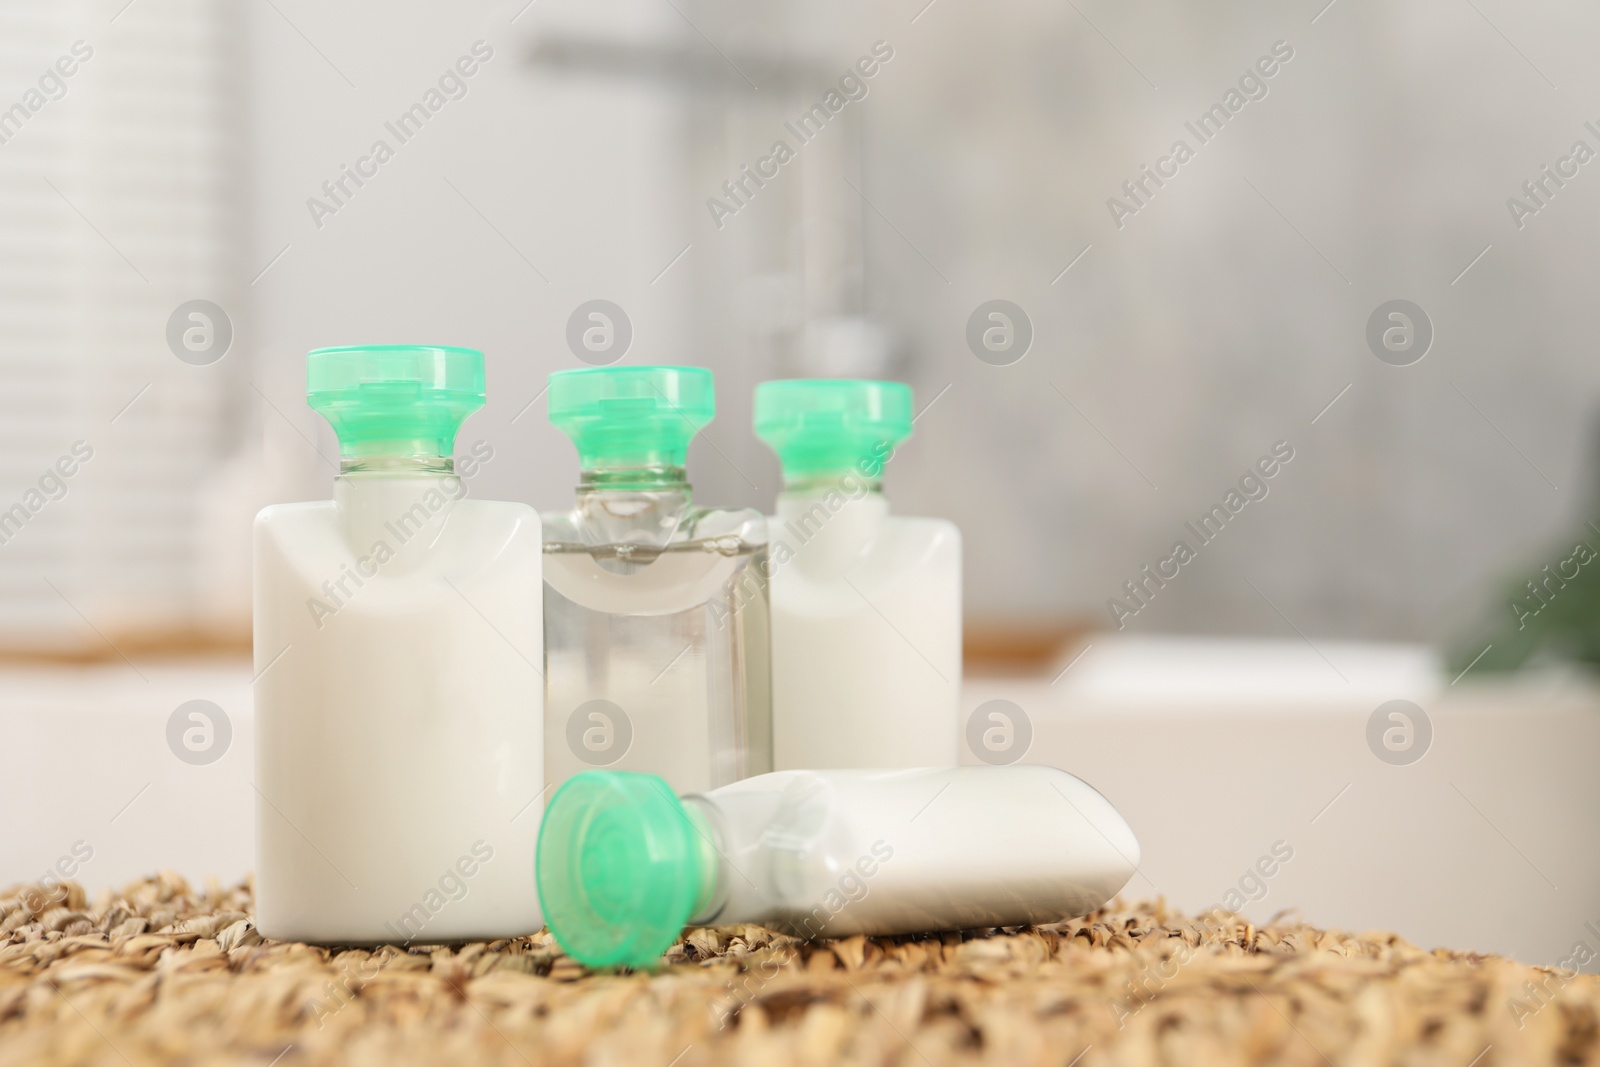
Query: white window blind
pixel 118 202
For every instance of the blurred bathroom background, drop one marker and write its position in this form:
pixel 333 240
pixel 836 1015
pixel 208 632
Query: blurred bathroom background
pixel 1160 346
pixel 1220 318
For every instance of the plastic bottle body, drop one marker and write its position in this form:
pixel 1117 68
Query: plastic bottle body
pixel 866 633
pixel 836 853
pixel 656 639
pixel 398 706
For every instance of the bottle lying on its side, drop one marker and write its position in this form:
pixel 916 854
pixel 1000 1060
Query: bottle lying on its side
pixel 623 864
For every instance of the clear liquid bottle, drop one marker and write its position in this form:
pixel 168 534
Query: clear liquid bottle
pixel 624 864
pixel 399 748
pixel 656 611
pixel 866 605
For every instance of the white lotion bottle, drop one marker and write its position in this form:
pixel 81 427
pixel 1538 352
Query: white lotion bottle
pixel 866 605
pixel 624 864
pixel 398 696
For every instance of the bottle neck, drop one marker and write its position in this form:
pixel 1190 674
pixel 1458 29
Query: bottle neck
pixel 829 522
pixel 817 483
pixel 633 480
pixel 711 840
pixel 387 505
pixel 423 465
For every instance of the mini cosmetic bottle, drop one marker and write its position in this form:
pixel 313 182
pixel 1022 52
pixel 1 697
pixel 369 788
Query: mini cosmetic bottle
pixel 624 864
pixel 866 605
pixel 656 639
pixel 398 694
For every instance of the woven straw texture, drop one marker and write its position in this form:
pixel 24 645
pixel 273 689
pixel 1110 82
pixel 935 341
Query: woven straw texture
pixel 162 973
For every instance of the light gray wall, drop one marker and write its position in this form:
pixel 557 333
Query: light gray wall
pixel 1221 318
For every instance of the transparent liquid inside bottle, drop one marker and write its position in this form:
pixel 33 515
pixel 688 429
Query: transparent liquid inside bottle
pixel 656 639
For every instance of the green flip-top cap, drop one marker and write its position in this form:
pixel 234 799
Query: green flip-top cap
pixel 632 417
pixel 401 400
pixel 620 868
pixel 825 426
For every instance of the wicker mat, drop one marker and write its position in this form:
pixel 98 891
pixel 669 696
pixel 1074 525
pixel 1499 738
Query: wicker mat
pixel 162 973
